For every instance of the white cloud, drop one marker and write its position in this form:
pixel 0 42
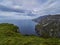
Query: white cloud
pixel 37 7
pixel 18 4
pixel 26 4
pixel 14 16
pixel 50 7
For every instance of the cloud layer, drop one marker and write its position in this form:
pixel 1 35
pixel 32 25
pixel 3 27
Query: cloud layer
pixel 27 9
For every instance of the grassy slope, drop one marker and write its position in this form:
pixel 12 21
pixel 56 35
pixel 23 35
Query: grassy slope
pixel 10 36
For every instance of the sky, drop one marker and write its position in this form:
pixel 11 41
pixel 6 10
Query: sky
pixel 27 9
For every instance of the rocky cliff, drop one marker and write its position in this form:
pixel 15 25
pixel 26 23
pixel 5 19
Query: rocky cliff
pixel 49 26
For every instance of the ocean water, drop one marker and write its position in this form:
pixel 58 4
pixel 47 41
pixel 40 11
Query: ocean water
pixel 25 26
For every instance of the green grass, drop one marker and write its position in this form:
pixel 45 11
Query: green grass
pixel 9 35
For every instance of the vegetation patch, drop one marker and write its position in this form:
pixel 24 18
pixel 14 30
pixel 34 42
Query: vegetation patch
pixel 9 35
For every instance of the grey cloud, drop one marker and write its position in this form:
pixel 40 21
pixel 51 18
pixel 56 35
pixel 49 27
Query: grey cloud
pixel 4 8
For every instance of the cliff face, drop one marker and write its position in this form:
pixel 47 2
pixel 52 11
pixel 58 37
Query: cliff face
pixel 49 26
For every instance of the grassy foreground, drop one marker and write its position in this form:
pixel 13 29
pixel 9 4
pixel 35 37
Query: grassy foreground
pixel 9 35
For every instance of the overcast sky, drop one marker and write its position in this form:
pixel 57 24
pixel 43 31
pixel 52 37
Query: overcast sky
pixel 28 9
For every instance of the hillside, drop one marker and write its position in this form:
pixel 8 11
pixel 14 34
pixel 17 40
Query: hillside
pixel 43 19
pixel 9 35
pixel 49 26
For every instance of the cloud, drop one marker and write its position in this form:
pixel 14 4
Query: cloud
pixel 28 9
pixel 14 16
pixel 26 4
pixel 50 7
pixel 8 9
pixel 17 9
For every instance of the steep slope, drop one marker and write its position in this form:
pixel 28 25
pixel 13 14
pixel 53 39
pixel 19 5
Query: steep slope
pixel 49 26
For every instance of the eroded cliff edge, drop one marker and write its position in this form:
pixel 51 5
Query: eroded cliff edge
pixel 48 26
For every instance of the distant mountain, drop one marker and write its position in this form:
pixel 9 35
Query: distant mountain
pixel 49 26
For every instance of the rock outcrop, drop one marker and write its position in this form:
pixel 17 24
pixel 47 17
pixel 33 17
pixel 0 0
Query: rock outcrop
pixel 49 26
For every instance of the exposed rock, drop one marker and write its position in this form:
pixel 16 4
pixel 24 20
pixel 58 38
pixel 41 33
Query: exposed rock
pixel 49 26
